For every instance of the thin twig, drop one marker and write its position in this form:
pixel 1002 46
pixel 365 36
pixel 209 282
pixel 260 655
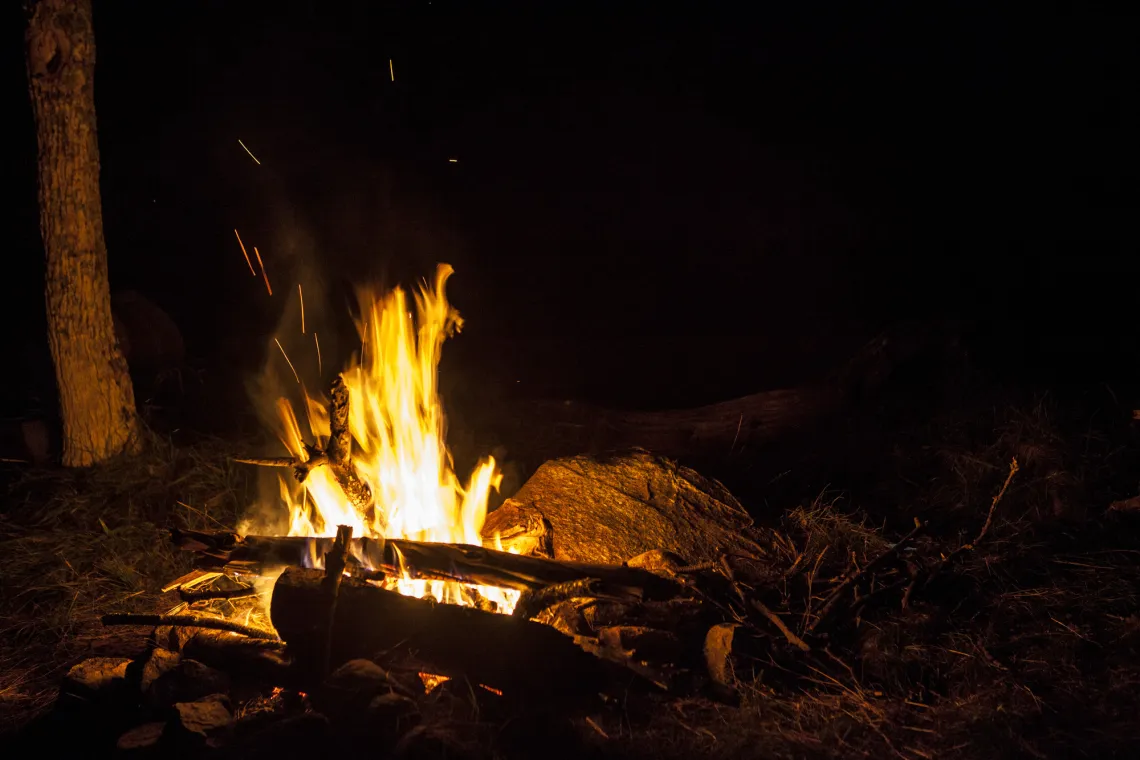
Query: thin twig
pixel 855 578
pixel 925 577
pixel 191 621
pixel 792 638
pixel 189 595
pixel 1013 468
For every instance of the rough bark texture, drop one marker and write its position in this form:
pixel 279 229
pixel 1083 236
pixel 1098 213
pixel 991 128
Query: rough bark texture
pixel 517 656
pixel 96 398
pixel 608 511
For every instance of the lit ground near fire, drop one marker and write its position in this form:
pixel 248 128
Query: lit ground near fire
pixel 1028 648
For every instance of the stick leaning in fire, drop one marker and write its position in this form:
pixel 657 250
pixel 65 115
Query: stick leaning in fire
pixel 336 454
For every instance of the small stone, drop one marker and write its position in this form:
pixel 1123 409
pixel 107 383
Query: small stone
pixel 97 676
pixel 462 701
pixel 719 652
pixel 658 562
pixel 140 741
pixel 173 637
pixel 187 681
pixel 205 720
pixel 158 662
pixel 352 686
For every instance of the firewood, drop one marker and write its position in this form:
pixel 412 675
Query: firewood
pixel 336 455
pixel 519 657
pixel 455 562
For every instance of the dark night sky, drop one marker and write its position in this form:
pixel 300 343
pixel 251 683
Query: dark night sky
pixel 670 205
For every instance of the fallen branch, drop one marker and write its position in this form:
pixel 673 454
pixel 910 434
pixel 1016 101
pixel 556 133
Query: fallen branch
pixel 452 562
pixel 923 578
pixel 195 621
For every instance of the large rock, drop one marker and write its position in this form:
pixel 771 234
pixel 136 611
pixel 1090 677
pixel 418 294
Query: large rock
pixel 612 510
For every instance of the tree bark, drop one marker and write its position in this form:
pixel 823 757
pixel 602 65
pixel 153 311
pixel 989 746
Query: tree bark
pixel 517 656
pixel 96 397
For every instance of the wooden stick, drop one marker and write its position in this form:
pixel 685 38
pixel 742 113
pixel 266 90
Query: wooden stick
pixel 195 621
pixel 792 638
pixel 335 561
pixel 455 562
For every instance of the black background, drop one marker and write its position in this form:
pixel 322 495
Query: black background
pixel 650 206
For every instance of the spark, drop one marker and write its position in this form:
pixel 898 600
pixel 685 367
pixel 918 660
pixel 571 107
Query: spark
pixel 453 160
pixel 320 369
pixel 247 150
pixel 243 253
pixel 295 375
pixel 264 276
pixel 302 297
pixel 391 71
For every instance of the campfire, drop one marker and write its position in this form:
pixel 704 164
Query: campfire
pixel 373 569
pixel 386 546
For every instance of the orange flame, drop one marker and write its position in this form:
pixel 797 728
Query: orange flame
pixel 397 426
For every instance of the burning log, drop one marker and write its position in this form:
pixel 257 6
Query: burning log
pixel 336 455
pixel 519 657
pixel 453 562
pixel 608 511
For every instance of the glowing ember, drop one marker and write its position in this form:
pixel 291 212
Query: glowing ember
pixel 397 427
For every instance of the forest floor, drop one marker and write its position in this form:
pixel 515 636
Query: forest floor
pixel 1030 647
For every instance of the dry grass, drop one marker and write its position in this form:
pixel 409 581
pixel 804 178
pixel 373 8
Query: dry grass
pixel 78 544
pixel 1025 646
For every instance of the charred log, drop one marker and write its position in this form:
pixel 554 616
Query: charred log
pixel 519 657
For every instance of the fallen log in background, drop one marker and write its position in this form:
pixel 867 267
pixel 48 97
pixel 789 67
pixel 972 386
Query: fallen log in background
pixel 714 429
pixel 519 657
pixel 457 562
pixel 610 510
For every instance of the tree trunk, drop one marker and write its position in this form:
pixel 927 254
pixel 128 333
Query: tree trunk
pixel 96 398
